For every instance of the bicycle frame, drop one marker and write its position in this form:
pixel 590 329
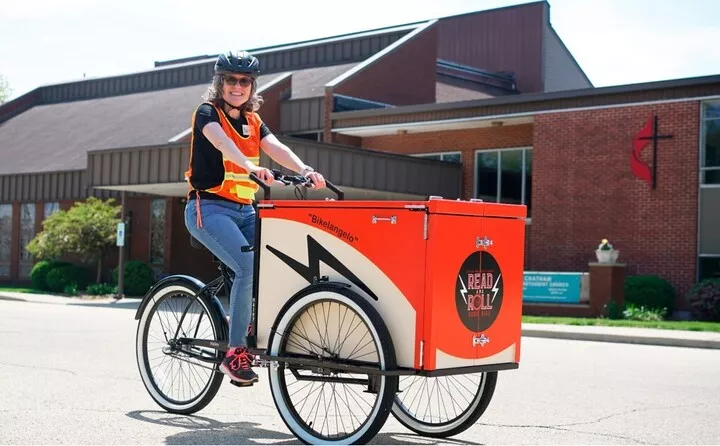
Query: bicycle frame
pixel 225 280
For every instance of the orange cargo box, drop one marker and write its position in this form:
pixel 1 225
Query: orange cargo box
pixel 445 276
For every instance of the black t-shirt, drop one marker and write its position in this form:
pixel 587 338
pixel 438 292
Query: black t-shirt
pixel 207 161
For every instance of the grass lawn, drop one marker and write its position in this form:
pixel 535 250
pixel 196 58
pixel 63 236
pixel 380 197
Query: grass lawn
pixel 667 325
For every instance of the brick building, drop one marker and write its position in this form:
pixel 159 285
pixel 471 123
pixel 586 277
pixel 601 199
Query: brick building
pixel 486 105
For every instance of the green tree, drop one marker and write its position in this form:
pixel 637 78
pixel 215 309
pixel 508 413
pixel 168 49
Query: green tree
pixel 5 90
pixel 87 229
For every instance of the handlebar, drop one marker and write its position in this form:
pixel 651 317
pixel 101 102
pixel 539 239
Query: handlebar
pixel 296 180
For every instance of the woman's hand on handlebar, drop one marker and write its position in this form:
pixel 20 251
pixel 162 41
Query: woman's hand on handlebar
pixel 265 175
pixel 318 181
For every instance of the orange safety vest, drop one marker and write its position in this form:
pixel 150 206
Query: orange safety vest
pixel 236 185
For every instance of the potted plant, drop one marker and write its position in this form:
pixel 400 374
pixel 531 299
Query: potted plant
pixel 606 253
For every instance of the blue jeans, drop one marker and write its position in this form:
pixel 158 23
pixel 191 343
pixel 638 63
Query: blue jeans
pixel 226 227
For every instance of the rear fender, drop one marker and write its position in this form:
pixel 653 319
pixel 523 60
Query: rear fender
pixel 305 291
pixel 188 281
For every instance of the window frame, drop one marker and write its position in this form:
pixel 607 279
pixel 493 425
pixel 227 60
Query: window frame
pixel 151 262
pixel 442 154
pixel 701 180
pixel 703 120
pixel 10 243
pixel 55 205
pixel 523 184
pixel 25 259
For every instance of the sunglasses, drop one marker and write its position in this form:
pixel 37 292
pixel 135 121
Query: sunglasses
pixel 233 81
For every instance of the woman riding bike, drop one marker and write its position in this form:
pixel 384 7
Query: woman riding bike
pixel 227 135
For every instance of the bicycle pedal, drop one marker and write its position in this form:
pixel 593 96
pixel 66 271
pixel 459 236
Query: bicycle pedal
pixel 239 384
pixel 261 363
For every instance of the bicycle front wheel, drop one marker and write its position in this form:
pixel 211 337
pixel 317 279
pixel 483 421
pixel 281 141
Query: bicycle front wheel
pixel 181 379
pixel 327 404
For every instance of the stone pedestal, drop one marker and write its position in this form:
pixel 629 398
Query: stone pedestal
pixel 606 285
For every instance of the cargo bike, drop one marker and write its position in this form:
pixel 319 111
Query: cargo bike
pixel 360 309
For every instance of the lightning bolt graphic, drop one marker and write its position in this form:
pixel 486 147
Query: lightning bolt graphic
pixel 464 289
pixel 495 289
pixel 311 271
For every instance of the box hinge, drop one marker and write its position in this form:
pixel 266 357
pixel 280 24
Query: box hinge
pixel 422 351
pixel 425 226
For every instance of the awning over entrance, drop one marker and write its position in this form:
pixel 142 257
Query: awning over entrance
pixel 361 173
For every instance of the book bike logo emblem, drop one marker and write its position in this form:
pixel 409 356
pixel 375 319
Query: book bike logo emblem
pixel 479 292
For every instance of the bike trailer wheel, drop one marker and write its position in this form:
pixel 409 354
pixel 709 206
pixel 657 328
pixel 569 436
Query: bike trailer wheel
pixel 443 406
pixel 322 404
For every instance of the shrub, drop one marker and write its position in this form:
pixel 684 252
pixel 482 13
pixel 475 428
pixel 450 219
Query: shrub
pixel 633 313
pixel 100 289
pixel 60 278
pixel 66 274
pixel 38 275
pixel 612 310
pixel 138 278
pixel 71 290
pixel 650 292
pixel 704 299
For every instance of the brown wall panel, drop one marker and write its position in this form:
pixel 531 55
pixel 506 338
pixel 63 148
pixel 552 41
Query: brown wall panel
pixel 302 115
pixel 507 39
pixel 52 186
pixel 404 76
pixel 270 111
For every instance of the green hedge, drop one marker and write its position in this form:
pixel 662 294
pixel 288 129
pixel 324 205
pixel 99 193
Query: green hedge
pixel 138 278
pixel 651 292
pixel 39 273
pixel 63 276
pixel 704 299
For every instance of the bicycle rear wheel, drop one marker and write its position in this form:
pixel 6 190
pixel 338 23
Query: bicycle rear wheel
pixel 175 377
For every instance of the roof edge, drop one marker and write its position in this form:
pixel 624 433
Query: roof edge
pixel 380 54
pixel 568 52
pixel 285 46
pixel 532 97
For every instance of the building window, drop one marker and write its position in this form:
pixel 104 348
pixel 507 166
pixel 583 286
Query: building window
pixel 710 148
pixel 27 232
pixel 5 239
pixel 157 231
pixel 50 208
pixel 451 157
pixel 709 267
pixel 504 176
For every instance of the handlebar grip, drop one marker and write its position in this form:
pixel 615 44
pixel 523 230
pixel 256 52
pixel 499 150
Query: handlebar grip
pixel 261 183
pixel 279 177
pixel 340 194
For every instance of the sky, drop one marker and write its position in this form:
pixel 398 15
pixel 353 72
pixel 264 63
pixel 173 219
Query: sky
pixel 615 42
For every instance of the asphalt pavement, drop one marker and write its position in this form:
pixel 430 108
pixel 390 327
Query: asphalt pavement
pixel 68 375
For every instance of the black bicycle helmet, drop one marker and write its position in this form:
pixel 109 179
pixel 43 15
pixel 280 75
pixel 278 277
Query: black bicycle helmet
pixel 241 63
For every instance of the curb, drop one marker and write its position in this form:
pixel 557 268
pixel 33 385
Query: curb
pixel 14 299
pixel 622 338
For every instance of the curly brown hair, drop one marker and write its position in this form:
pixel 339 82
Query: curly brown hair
pixel 214 94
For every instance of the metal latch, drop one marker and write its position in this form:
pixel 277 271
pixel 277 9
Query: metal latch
pixel 392 219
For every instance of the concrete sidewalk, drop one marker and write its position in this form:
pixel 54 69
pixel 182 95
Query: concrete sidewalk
pixel 629 335
pixel 647 336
